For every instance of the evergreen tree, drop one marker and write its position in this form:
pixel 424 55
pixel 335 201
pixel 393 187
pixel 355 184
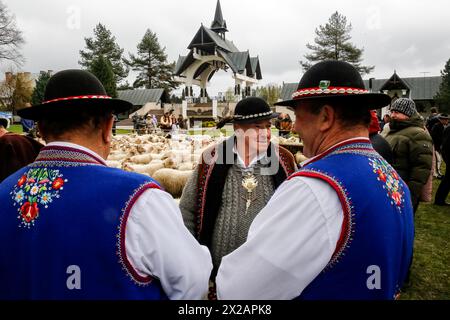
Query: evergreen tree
pixel 38 93
pixel 151 63
pixel 103 70
pixel 270 93
pixel 443 96
pixel 104 44
pixel 333 43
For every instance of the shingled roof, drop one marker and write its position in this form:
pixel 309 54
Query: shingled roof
pixel 421 88
pixel 140 97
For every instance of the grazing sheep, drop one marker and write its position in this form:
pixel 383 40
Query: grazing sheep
pixel 117 156
pixel 142 159
pixel 300 157
pixel 186 166
pixel 113 164
pixel 173 181
pixel 170 163
pixel 148 169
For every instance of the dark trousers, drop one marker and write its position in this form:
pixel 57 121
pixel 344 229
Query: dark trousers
pixel 444 187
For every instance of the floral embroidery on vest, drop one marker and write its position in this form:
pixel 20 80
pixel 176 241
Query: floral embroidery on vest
pixel 391 181
pixel 35 191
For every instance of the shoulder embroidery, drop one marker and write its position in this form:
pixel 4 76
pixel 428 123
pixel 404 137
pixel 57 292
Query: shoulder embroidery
pixel 35 191
pixel 390 180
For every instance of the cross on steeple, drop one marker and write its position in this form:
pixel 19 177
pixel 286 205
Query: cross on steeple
pixel 219 25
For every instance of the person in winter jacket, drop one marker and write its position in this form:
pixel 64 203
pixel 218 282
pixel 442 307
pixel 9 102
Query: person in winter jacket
pixel 411 145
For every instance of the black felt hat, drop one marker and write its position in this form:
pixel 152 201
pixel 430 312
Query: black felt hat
pixel 72 90
pixel 335 80
pixel 251 110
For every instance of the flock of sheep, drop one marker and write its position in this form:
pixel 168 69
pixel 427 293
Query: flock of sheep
pixel 170 161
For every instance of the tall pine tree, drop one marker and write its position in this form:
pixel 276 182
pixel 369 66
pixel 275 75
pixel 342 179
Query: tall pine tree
pixel 443 96
pixel 104 44
pixel 151 63
pixel 333 43
pixel 38 93
pixel 102 69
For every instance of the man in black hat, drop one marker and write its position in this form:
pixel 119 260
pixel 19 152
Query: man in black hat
pixel 234 180
pixel 72 228
pixel 340 228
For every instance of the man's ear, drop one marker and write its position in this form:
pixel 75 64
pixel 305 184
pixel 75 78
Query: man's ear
pixel 41 132
pixel 107 130
pixel 327 117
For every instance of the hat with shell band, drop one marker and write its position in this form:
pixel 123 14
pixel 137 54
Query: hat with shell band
pixel 252 110
pixel 335 80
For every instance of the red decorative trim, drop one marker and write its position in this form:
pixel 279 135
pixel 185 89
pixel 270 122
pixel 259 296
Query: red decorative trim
pixel 310 92
pixel 49 148
pixel 78 98
pixel 123 225
pixel 205 188
pixel 332 149
pixel 283 161
pixel 346 229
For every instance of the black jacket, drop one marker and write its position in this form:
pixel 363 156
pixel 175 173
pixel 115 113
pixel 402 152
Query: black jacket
pixel 382 147
pixel 437 134
pixel 446 146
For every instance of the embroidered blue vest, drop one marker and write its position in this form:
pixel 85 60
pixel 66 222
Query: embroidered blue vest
pixel 62 230
pixel 375 248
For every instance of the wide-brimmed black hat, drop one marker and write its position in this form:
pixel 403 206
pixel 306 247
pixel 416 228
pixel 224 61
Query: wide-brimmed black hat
pixel 335 80
pixel 444 116
pixel 252 110
pixel 72 90
pixel 4 121
pixel 249 110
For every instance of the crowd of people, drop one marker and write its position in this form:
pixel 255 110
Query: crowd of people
pixel 149 123
pixel 250 223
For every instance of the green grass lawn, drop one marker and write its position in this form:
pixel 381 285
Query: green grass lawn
pixel 430 274
pixel 16 128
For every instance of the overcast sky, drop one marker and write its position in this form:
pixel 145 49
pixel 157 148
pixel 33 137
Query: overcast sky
pixel 411 37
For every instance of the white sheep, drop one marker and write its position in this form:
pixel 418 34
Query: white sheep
pixel 142 158
pixel 173 181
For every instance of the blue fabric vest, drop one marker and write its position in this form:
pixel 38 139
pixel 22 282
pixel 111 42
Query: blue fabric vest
pixel 374 251
pixel 62 230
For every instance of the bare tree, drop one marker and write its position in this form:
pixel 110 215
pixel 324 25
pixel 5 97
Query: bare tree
pixel 10 37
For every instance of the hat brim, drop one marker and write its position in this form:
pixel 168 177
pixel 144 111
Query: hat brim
pixel 4 122
pixel 369 101
pixel 252 120
pixel 40 111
